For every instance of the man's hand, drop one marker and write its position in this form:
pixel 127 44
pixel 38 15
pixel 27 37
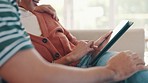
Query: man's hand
pixel 48 9
pixel 125 64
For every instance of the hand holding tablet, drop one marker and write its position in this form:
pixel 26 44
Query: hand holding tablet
pixel 121 28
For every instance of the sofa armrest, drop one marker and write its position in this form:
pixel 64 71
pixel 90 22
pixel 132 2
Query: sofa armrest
pixel 132 40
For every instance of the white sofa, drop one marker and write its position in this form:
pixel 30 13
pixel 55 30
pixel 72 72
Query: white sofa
pixel 133 39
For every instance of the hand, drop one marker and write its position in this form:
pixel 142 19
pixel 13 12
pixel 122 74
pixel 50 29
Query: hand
pixel 125 64
pixel 80 50
pixel 100 43
pixel 48 9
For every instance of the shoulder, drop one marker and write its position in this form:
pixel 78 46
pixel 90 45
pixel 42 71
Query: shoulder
pixel 13 38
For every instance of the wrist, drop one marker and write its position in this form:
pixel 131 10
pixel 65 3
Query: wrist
pixel 112 74
pixel 69 58
pixel 66 60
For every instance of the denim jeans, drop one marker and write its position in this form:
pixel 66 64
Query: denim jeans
pixel 139 77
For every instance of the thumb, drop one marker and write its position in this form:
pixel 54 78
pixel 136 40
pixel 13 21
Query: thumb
pixel 38 9
pixel 91 45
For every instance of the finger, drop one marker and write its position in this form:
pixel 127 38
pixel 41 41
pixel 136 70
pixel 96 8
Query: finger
pixel 103 39
pixel 45 8
pixel 141 67
pixel 100 41
pixel 56 18
pixel 49 10
pixel 108 34
pixel 139 62
pixel 128 52
pixel 37 8
pixel 51 7
pixel 48 7
pixel 52 13
pixel 95 47
pixel 103 44
pixel 91 49
pixel 135 56
pixel 91 43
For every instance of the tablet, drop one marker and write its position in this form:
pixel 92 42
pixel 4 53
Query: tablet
pixel 121 28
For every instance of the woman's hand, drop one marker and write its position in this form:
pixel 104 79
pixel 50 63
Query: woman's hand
pixel 83 47
pixel 80 50
pixel 48 9
pixel 100 43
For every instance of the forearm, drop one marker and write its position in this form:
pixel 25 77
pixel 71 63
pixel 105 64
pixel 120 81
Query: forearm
pixel 80 75
pixel 30 68
pixel 64 60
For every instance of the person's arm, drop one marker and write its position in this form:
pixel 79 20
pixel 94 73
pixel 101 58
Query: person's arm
pixel 77 53
pixel 29 67
pixel 26 67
